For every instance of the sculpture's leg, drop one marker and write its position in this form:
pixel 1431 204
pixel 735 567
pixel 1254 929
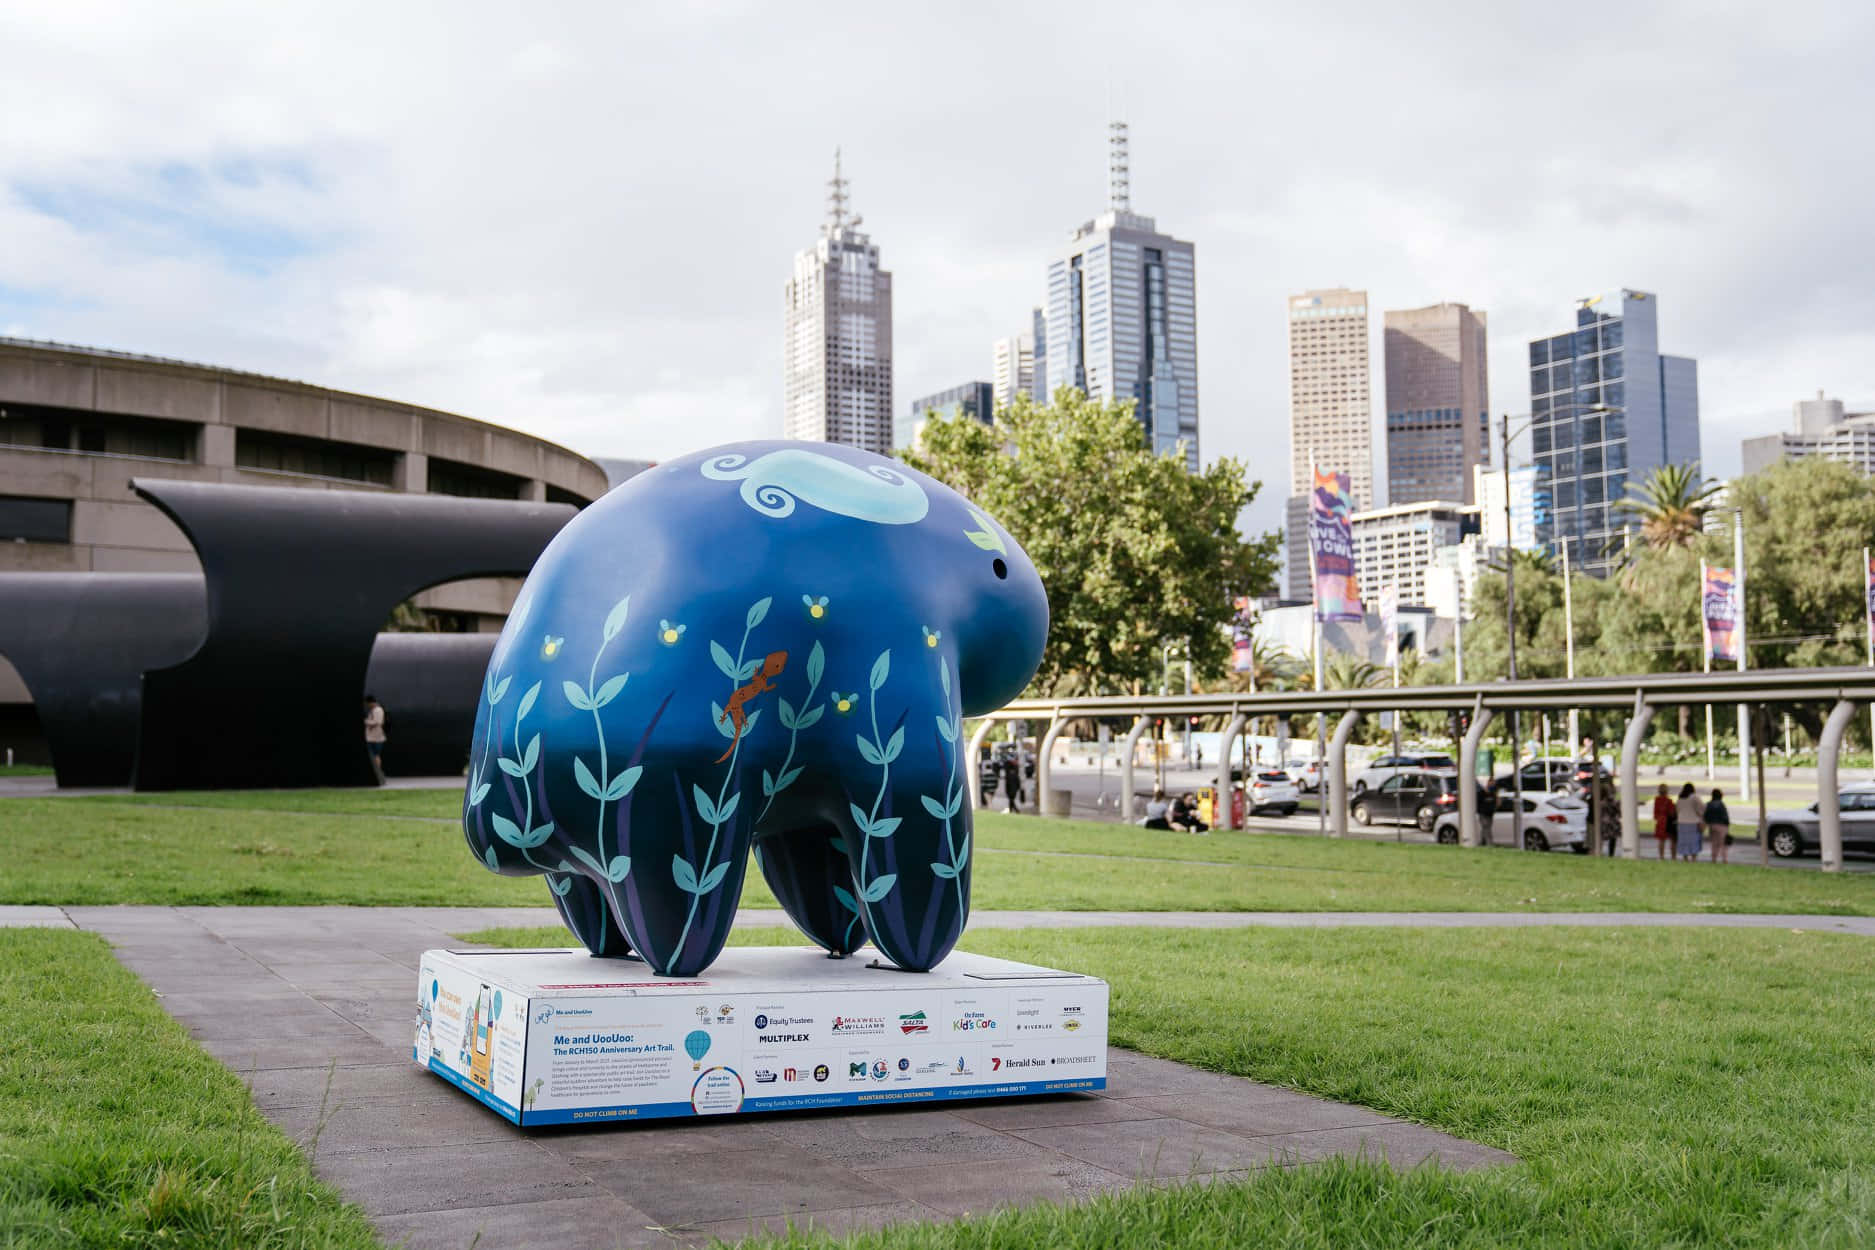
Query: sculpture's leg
pixel 679 899
pixel 912 877
pixel 806 869
pixel 587 913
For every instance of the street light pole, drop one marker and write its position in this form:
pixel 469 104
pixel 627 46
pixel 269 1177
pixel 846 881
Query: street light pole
pixel 1510 640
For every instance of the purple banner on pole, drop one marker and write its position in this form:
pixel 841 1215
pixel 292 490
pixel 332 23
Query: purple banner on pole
pixel 1331 541
pixel 1721 607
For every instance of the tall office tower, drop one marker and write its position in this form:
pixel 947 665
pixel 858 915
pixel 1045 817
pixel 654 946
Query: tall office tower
pixel 1039 333
pixel 837 367
pixel 1012 367
pixel 1329 421
pixel 1438 419
pixel 1607 408
pixel 1122 315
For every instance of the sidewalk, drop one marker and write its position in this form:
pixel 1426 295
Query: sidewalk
pixel 315 1008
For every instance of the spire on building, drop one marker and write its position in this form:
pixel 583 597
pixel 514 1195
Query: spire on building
pixel 1119 174
pixel 836 198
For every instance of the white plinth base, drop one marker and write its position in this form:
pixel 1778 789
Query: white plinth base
pixel 557 1036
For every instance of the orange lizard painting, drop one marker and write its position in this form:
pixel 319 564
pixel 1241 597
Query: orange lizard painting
pixel 736 713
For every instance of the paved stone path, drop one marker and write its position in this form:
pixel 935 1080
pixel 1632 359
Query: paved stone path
pixel 313 1006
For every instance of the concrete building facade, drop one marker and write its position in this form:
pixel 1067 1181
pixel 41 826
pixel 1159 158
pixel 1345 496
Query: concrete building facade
pixel 1529 506
pixel 1330 422
pixel 1437 396
pixel 973 399
pixel 837 332
pixel 1823 427
pixel 78 423
pixel 1012 368
pixel 1395 546
pixel 1608 408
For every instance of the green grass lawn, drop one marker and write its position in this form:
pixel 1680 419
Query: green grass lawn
pixel 117 1130
pixel 403 847
pixel 1661 1087
pixel 25 770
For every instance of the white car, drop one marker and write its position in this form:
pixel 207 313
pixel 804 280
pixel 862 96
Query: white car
pixel 1306 774
pixel 1272 791
pixel 1386 766
pixel 1550 822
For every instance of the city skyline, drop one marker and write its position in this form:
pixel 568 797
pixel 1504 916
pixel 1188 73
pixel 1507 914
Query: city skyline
pixel 402 225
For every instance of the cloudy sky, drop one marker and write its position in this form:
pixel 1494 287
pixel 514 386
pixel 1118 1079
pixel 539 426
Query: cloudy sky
pixel 577 220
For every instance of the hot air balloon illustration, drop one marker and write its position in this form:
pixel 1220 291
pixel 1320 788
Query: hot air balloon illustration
pixel 698 1044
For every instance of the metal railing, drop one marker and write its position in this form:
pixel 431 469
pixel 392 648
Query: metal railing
pixel 1641 695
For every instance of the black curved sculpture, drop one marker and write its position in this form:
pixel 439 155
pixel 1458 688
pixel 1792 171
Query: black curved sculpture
pixel 82 642
pixel 298 583
pixel 430 686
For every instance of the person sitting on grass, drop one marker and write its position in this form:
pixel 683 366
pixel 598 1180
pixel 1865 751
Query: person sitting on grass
pixel 1184 816
pixel 1158 811
pixel 1663 820
pixel 1719 828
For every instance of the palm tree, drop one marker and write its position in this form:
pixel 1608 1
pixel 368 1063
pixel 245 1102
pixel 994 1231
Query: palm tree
pixel 1670 505
pixel 1527 562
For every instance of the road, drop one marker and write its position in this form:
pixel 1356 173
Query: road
pixel 1096 797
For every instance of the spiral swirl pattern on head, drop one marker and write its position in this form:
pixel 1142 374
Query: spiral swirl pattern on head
pixel 775 482
pixel 768 499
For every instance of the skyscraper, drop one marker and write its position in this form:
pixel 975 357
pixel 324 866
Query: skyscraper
pixel 1607 409
pixel 1438 420
pixel 1012 367
pixel 1329 421
pixel 972 399
pixel 837 360
pixel 1122 315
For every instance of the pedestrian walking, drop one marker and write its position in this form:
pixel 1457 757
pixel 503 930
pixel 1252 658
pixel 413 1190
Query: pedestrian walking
pixel 374 735
pixel 1690 814
pixel 1719 827
pixel 1663 821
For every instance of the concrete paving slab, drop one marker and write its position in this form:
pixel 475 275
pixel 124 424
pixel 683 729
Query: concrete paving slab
pixel 960 1189
pixel 1263 1114
pixel 449 1178
pixel 1050 1112
pixel 739 1185
pixel 1151 1148
pixel 320 1028
pixel 14 916
pixel 596 1220
pixel 835 1223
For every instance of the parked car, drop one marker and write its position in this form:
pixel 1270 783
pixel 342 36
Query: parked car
pixel 1550 822
pixel 1393 765
pixel 1543 776
pixel 1420 797
pixel 1272 791
pixel 1307 774
pixel 1794 833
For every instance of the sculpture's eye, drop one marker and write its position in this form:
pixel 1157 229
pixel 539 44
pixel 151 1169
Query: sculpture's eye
pixel 999 568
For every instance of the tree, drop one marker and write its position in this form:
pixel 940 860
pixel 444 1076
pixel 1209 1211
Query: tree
pixel 1136 553
pixel 1670 505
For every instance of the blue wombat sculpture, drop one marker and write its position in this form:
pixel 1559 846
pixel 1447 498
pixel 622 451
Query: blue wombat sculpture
pixel 769 645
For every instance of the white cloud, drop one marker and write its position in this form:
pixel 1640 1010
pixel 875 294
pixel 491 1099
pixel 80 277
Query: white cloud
pixel 578 220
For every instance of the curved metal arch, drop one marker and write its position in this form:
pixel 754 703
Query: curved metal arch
pixel 81 643
pixel 298 583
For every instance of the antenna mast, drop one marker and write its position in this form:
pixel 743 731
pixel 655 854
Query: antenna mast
pixel 1119 173
pixel 836 196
